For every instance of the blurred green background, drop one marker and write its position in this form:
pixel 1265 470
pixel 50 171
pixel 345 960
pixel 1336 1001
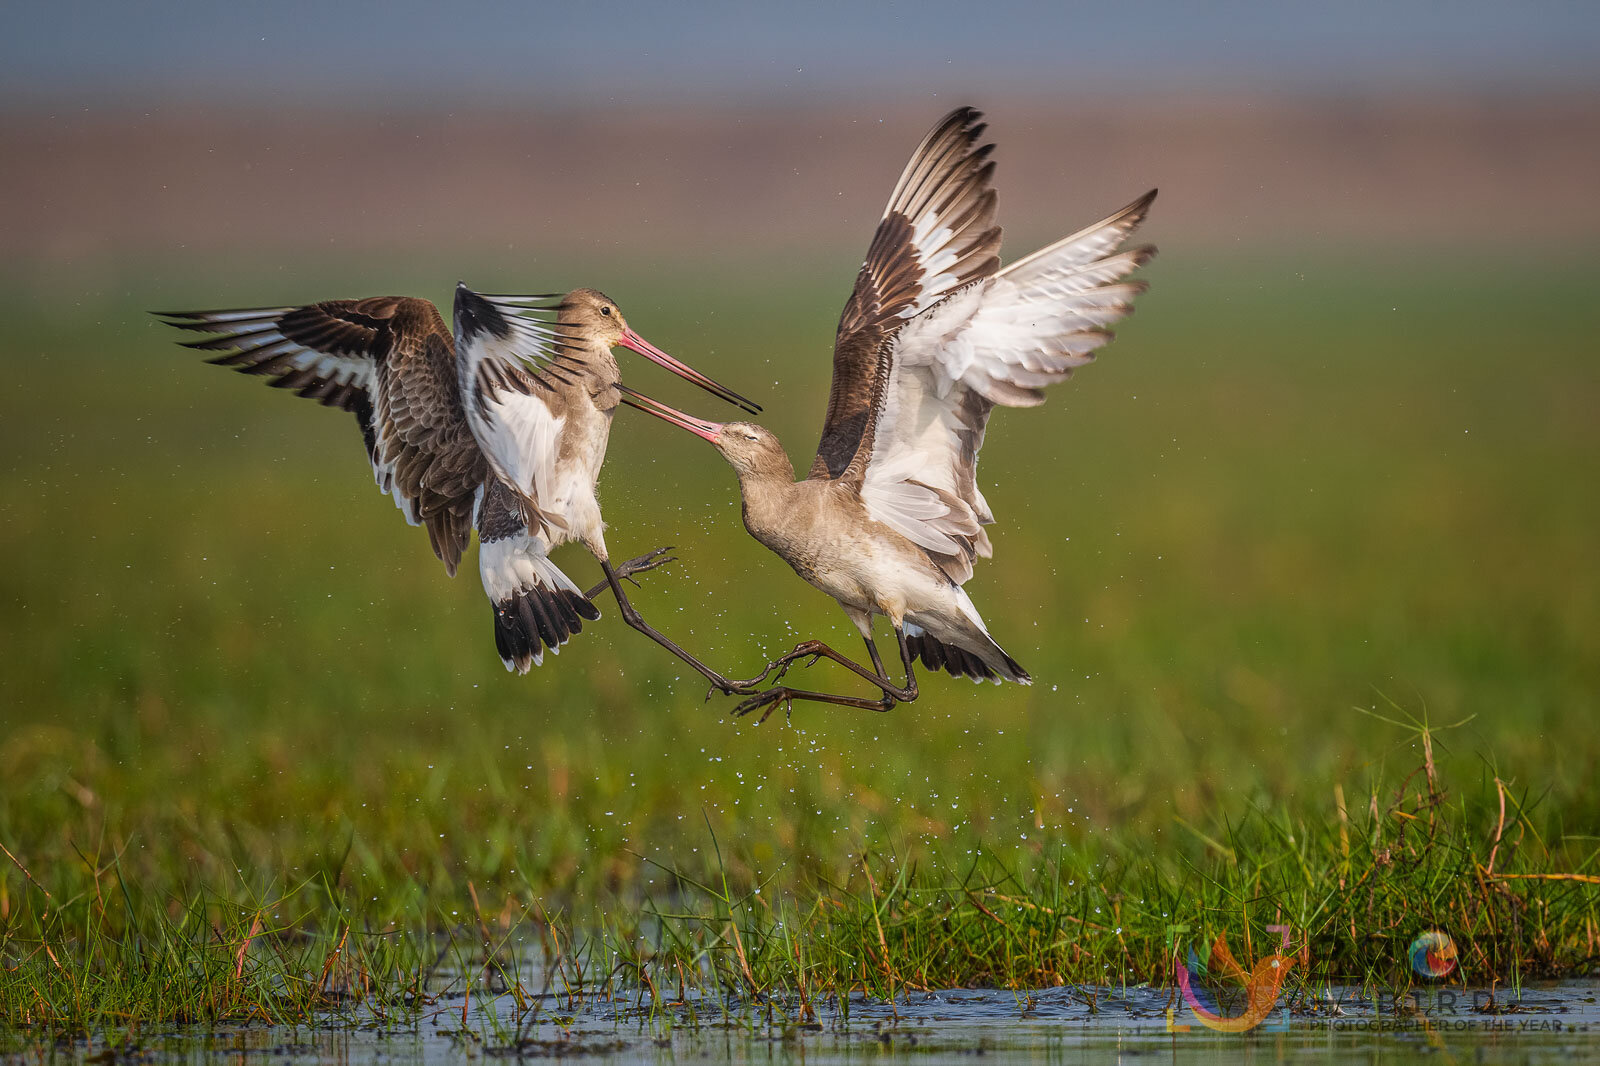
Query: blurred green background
pixel 1342 457
pixel 1282 494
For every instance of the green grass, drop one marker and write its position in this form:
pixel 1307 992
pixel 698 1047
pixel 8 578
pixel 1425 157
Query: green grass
pixel 239 694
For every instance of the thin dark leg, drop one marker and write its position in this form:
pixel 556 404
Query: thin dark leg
pixel 891 693
pixel 786 695
pixel 637 565
pixel 877 660
pixel 631 616
pixel 818 650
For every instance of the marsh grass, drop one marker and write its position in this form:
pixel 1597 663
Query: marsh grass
pixel 1354 886
pixel 258 761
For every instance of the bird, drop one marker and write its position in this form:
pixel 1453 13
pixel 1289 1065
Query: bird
pixel 890 519
pixel 540 399
pixel 466 432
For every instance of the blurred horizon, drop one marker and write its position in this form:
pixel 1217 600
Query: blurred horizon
pixel 303 192
pixel 295 140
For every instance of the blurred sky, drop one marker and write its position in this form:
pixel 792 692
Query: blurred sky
pixel 136 132
pixel 105 51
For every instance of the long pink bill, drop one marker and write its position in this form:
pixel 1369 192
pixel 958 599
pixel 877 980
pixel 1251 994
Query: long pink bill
pixel 633 342
pixel 706 430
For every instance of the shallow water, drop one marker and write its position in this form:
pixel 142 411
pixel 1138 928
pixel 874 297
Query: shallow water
pixel 1549 1022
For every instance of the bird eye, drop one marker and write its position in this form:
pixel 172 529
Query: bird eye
pixel 606 311
pixel 751 436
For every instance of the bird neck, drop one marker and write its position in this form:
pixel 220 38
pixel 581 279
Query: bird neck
pixel 590 371
pixel 768 487
pixel 599 363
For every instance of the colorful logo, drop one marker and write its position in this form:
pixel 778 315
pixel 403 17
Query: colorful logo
pixel 1260 986
pixel 1433 954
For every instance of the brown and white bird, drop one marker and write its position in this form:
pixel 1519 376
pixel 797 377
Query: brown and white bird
pixel 890 518
pixel 507 429
pixel 540 396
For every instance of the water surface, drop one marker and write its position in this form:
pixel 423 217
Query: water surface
pixel 1545 1023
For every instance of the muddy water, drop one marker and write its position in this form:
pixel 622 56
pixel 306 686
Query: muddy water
pixel 1545 1023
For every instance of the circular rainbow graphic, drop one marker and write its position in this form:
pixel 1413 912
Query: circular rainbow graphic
pixel 1433 954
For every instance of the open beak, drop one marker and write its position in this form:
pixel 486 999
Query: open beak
pixel 705 430
pixel 635 343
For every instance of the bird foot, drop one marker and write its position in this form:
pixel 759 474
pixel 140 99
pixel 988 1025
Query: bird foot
pixel 730 687
pixel 637 565
pixel 770 700
pixel 813 648
pixel 647 561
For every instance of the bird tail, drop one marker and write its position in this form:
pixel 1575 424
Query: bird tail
pixel 536 606
pixel 977 656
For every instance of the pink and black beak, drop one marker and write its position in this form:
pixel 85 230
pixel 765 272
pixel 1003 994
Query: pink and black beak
pixel 633 342
pixel 710 431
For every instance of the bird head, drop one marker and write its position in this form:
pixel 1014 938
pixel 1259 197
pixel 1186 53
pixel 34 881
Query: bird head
pixel 750 449
pixel 590 317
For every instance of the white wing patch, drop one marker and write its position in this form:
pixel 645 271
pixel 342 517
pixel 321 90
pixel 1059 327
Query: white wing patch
pixel 933 240
pixel 1006 341
pixel 506 405
pixel 996 341
pixel 522 439
pixel 907 487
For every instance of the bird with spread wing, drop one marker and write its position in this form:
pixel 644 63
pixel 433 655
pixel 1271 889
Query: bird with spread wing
pixel 503 426
pixel 936 334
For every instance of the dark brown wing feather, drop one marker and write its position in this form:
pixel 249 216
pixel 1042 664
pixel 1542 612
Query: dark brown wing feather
pixel 423 432
pixel 936 235
pixel 389 360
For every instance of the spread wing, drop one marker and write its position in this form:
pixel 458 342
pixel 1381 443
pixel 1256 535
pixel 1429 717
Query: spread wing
pixel 390 361
pixel 998 341
pixel 515 356
pixel 936 235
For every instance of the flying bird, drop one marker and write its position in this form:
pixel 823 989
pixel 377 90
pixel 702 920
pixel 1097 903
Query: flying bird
pixel 505 431
pixel 935 335
pixel 540 400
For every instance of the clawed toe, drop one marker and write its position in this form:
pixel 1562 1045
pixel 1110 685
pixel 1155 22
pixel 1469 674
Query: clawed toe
pixel 769 699
pixel 730 687
pixel 783 662
pixel 647 561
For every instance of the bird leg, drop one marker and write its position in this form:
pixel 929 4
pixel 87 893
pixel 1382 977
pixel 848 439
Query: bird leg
pixel 631 615
pixel 814 648
pixel 818 650
pixel 637 565
pixel 892 693
pixel 786 696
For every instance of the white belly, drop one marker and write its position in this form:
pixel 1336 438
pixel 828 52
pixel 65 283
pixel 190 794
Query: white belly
pixel 885 575
pixel 574 505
